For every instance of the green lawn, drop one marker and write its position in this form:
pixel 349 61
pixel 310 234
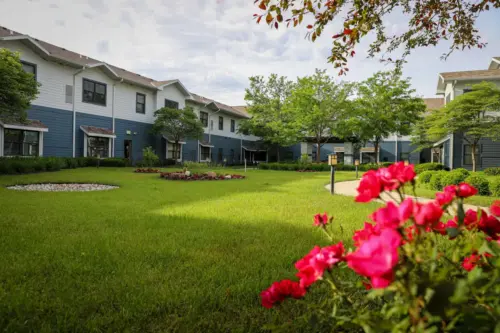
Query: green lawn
pixel 158 255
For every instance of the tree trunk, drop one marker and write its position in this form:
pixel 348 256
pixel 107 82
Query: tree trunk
pixel 175 151
pixel 318 153
pixel 376 146
pixel 473 146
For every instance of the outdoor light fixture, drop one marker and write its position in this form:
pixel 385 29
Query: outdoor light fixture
pixel 407 162
pixel 129 132
pixel 332 162
pixel 356 163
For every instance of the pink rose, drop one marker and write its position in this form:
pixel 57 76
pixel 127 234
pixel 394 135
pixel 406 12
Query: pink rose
pixel 320 220
pixel 447 196
pixel 473 260
pixel 278 291
pixel 369 187
pixel 465 190
pixel 489 225
pixel 427 214
pixel 377 257
pixel 495 208
pixel 314 264
pixel 364 234
pixel 392 216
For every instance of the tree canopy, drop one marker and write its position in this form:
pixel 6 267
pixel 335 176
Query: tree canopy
pixel 17 87
pixel 475 114
pixel 318 104
pixel 177 124
pixel 385 105
pixel 270 120
pixel 429 22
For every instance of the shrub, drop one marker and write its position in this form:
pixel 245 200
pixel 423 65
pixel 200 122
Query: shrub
pixel 435 182
pixel 454 177
pixel 464 172
pixel 492 171
pixel 149 157
pixel 429 273
pixel 428 167
pixel 495 187
pixel 480 183
pixel 195 165
pixel 114 162
pixel 425 177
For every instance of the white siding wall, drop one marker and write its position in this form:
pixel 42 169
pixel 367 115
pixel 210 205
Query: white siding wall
pixel 172 93
pixel 459 87
pixel 125 103
pixel 448 90
pixel 94 74
pixel 52 76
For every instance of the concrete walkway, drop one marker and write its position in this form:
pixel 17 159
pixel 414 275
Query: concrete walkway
pixel 348 188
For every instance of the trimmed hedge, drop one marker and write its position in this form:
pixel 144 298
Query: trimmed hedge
pixel 435 182
pixel 419 168
pixel 425 177
pixel 495 187
pixel 492 171
pixel 20 165
pixel 315 167
pixel 480 183
pixel 454 177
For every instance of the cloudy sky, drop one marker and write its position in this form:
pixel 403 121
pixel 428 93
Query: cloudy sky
pixel 213 46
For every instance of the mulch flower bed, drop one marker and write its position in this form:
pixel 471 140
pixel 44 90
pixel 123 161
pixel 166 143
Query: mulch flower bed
pixel 198 176
pixel 148 170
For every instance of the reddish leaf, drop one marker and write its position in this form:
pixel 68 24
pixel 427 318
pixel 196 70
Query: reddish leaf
pixel 269 18
pixel 279 18
pixel 262 5
pixel 353 53
pixel 309 26
pixel 258 20
pixel 276 25
pixel 347 31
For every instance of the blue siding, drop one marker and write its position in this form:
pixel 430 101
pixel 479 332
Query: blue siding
pixel 141 137
pixel 489 153
pixel 446 153
pixel 325 150
pixel 58 141
pixel 84 119
pixel 231 149
pixel 387 151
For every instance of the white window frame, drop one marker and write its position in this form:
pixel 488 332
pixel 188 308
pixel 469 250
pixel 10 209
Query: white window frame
pixel 23 128
pixel 170 142
pixel 85 142
pixel 209 152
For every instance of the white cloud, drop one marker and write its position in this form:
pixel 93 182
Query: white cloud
pixel 212 46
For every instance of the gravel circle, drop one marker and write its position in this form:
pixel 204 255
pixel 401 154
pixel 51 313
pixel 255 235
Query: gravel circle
pixel 62 187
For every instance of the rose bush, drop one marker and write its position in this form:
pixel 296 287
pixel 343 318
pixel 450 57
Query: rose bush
pixel 147 170
pixel 414 267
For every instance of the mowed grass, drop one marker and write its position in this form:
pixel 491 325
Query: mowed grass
pixel 158 255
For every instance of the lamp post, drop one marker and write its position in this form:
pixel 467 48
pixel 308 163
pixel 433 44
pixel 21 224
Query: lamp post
pixel 356 163
pixel 332 162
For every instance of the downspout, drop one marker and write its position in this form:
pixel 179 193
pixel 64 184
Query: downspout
pixel 451 150
pixel 74 110
pixel 113 119
pixel 396 157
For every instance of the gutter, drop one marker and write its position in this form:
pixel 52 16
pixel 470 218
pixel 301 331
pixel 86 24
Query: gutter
pixel 113 119
pixel 74 110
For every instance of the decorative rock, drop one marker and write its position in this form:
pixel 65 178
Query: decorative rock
pixel 188 173
pixel 211 174
pixel 228 177
pixel 62 187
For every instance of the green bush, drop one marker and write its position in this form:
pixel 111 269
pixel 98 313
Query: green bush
pixel 480 183
pixel 495 187
pixel 428 167
pixel 425 177
pixel 492 171
pixel 149 157
pixel 454 177
pixel 435 182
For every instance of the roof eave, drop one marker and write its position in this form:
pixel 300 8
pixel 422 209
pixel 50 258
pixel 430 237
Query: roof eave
pixel 494 64
pixel 180 85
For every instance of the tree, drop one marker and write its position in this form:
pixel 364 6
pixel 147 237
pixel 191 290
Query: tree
pixel 475 114
pixel 177 124
pixel 17 87
pixel 429 22
pixel 270 120
pixel 317 104
pixel 385 105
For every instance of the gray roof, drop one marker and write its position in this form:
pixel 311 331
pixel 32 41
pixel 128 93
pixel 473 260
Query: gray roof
pixel 233 110
pixel 27 122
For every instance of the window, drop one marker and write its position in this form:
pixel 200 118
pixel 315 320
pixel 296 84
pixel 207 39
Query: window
pixel 221 123
pixel 171 104
pixel 468 154
pixel 97 147
pixel 68 94
pixel 233 125
pixel 467 90
pixel 29 68
pixel 404 157
pixel 205 153
pixel 340 157
pixel 174 151
pixel 231 155
pixel 20 143
pixel 140 103
pixel 94 92
pixel 204 118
